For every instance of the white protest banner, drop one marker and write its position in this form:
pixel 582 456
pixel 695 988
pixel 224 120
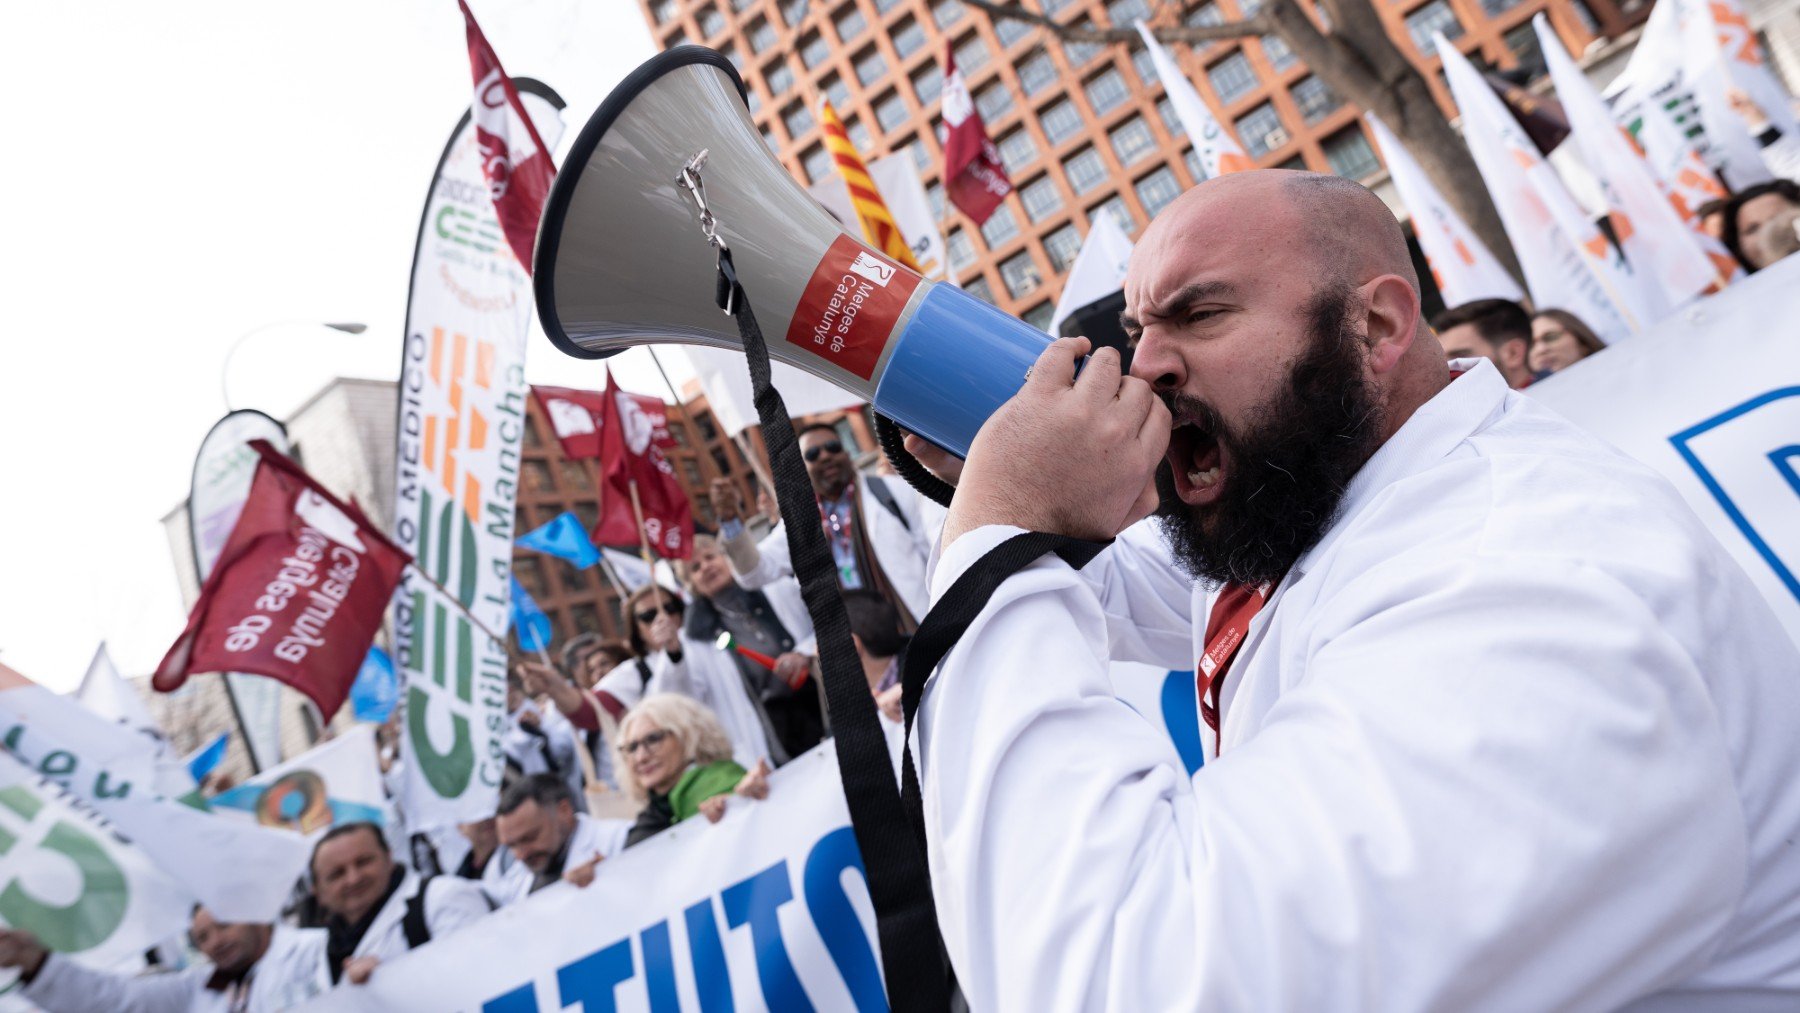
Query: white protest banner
pixel 1461 264
pixel 462 419
pixel 1711 399
pixel 72 882
pixel 223 468
pixel 242 873
pixel 1689 183
pixel 766 910
pixel 1568 264
pixel 331 784
pixel 1098 271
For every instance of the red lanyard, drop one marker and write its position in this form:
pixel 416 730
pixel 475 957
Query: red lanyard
pixel 1226 629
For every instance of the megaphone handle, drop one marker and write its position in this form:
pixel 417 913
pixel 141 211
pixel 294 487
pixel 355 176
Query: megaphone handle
pixel 893 444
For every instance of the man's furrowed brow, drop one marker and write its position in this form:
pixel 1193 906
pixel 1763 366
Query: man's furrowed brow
pixel 1189 296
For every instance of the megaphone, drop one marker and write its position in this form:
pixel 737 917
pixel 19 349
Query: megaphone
pixel 624 258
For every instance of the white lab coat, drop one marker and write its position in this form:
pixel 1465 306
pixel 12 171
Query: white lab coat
pixel 1517 734
pixel 710 675
pixel 528 750
pixel 591 836
pixel 451 903
pixel 289 973
pixel 902 550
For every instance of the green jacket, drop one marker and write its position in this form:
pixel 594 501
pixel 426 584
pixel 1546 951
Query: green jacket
pixel 698 784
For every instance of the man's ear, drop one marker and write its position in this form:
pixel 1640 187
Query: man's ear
pixel 1390 319
pixel 1514 353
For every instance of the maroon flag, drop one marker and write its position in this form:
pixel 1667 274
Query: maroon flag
pixel 575 418
pixel 975 178
pixel 513 157
pixel 629 456
pixel 297 594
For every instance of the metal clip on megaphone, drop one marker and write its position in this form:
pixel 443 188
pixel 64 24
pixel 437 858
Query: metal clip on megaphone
pixel 671 157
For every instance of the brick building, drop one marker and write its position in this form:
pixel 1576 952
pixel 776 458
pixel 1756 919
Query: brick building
pixel 1082 127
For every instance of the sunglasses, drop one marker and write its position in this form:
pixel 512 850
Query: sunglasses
pixel 669 608
pixel 814 453
pixel 649 740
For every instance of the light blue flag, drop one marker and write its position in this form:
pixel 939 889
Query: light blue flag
pixel 530 624
pixel 376 690
pixel 207 758
pixel 565 538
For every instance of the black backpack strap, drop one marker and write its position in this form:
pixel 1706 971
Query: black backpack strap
pixel 912 954
pixel 418 931
pixel 885 496
pixel 950 617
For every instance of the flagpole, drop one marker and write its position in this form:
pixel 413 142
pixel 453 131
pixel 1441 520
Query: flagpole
pixel 460 607
pixel 707 464
pixel 637 510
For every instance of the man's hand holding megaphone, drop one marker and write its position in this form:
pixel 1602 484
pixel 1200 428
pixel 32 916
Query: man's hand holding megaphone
pixel 1070 455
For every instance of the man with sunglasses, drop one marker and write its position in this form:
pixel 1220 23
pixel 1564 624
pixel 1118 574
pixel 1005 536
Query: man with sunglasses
pixel 880 531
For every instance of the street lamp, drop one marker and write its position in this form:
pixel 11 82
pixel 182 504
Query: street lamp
pixel 225 370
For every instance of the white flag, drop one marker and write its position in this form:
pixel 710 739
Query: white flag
pixel 1218 151
pixel 1687 180
pixel 105 692
pixel 1568 264
pixel 334 783
pixel 1670 266
pixel 897 180
pixel 1463 267
pixel 1098 271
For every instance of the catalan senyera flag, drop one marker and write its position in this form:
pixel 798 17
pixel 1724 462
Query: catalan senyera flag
pixel 871 211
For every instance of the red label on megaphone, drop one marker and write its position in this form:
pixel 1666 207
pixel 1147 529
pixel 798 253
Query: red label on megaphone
pixel 851 303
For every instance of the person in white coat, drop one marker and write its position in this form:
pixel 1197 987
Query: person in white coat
pixel 1503 726
pixel 248 969
pixel 881 532
pixel 377 909
pixel 547 840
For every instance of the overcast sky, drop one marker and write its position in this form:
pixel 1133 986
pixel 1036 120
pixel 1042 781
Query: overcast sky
pixel 183 173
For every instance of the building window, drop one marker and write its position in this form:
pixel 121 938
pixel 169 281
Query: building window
pixel 1115 206
pixel 1107 92
pixel 793 10
pixel 753 99
pixel 1205 15
pixel 1280 57
pixel 934 194
pixel 890 110
pixel 1232 78
pixel 1435 16
pixel 1037 73
pixel 711 22
pixel 883 6
pixel 1191 159
pixel 851 23
pixel 858 132
pixel 921 155
pixel 1060 121
pixel 736 58
pixel 1085 171
pixel 798 119
pixel 962 251
pixel 779 78
pixel 1145 65
pixel 537 477
pixel 1495 8
pixel 1081 52
pixel 1522 40
pixel 928 83
pixel 769 139
pixel 815 50
pixel 971 55
pixel 817 162
pixel 1315 99
pixel 762 35
pixel 870 66
pixel 1020 275
pixel 1041 198
pixel 946 12
pixel 979 288
pixel 837 92
pixel 1124 12
pixel 1000 228
pixel 1170 121
pixel 736 5
pixel 1061 247
pixel 1017 150
pixel 1260 131
pixel 530 571
pixel 1156 190
pixel 1039 316
pixel 1349 154
pixel 1010 30
pixel 994 101
pixel 1132 140
pixel 908 38
pixel 664 10
pixel 1053 6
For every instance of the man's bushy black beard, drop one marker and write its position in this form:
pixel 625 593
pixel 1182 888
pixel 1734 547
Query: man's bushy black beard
pixel 1290 466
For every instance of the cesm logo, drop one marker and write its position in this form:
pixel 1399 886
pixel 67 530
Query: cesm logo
pixel 865 266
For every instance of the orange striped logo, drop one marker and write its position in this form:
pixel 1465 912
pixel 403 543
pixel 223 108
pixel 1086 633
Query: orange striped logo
pixel 453 366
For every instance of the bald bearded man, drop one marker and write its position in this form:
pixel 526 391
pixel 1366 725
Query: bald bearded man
pixel 1502 727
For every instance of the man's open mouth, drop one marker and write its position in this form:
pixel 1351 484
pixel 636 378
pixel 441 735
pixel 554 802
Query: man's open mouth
pixel 1197 458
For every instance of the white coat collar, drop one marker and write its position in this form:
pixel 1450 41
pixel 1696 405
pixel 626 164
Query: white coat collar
pixel 1435 429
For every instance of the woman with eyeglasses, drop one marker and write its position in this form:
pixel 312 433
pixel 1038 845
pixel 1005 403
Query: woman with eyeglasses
pixel 675 758
pixel 1559 339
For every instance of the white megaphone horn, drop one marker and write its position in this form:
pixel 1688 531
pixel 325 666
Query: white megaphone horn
pixel 624 258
